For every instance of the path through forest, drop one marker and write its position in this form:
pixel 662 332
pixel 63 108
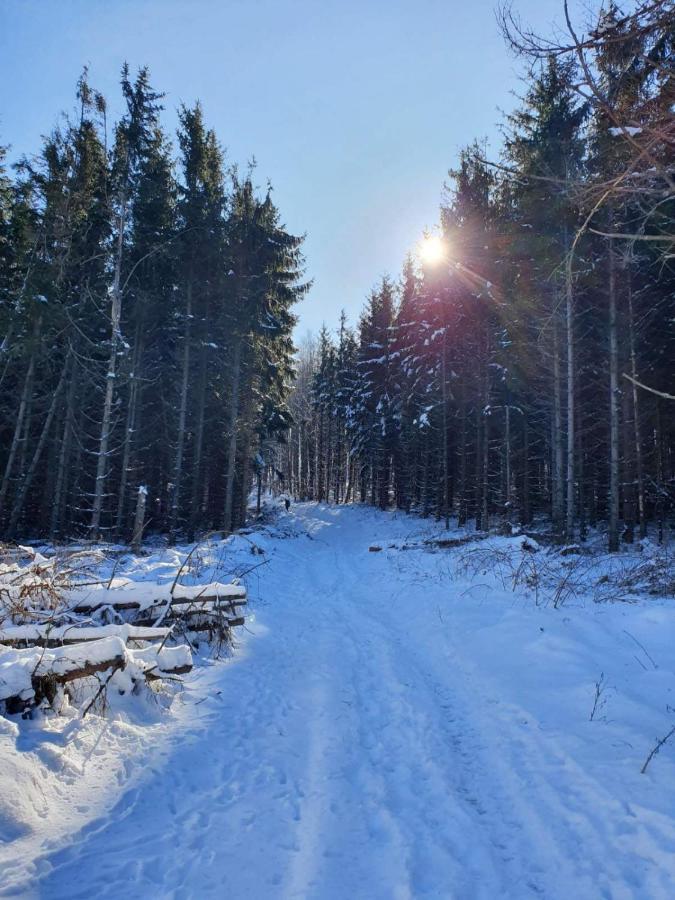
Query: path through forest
pixel 384 732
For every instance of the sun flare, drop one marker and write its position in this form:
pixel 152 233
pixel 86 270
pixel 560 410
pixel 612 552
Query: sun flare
pixel 432 249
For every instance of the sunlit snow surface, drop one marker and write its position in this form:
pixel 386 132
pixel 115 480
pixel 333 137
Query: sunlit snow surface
pixel 385 729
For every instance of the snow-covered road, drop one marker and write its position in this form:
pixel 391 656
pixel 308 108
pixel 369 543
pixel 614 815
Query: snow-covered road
pixel 389 732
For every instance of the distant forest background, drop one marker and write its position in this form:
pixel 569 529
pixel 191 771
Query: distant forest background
pixel 527 370
pixel 145 308
pixel 524 368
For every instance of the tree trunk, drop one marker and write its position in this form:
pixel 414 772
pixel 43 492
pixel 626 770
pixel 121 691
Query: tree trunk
pixel 557 435
pixel 526 511
pixel 182 418
pixel 637 435
pixel 130 429
pixel 64 455
pixel 320 457
pixel 614 414
pixel 106 420
pixel 197 467
pixel 444 420
pixel 21 415
pixel 660 475
pixel 139 518
pixel 102 458
pixel 28 477
pixel 484 507
pixel 233 416
pixel 462 468
pixel 508 490
pixel 569 328
pixel 478 465
pixel 485 447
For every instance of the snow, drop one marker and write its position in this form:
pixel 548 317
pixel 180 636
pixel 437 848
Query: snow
pixel 165 660
pixel 400 724
pixel 630 130
pixel 213 589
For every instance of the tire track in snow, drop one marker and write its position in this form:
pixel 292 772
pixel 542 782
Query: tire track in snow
pixel 339 812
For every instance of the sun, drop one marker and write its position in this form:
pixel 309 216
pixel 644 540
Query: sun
pixel 432 249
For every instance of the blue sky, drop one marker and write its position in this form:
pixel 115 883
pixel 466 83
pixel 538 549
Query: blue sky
pixel 354 110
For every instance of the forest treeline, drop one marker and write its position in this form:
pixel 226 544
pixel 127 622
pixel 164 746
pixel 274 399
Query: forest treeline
pixel 519 368
pixel 145 326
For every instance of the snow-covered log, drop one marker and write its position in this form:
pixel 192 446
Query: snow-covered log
pixel 204 592
pixel 29 676
pixel 155 663
pixel 137 596
pixel 207 606
pixel 56 636
pixel 200 621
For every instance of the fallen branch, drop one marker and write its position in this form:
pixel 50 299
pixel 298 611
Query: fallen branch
pixel 645 387
pixel 102 687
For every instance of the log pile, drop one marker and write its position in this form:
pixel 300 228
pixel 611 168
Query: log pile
pixel 140 632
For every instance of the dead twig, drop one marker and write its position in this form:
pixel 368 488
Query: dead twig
pixel 655 749
pixel 599 700
pixel 103 685
pixel 641 646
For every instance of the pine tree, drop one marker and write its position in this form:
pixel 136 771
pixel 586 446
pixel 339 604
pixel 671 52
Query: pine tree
pixel 137 136
pixel 201 245
pixel 263 283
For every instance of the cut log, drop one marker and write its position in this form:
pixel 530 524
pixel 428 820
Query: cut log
pixel 116 600
pixel 201 622
pixel 158 674
pixel 53 636
pixel 155 605
pixel 89 668
pixel 215 611
pixel 213 591
pixel 29 676
pixel 167 661
pixel 91 606
pixel 208 606
pixel 449 543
